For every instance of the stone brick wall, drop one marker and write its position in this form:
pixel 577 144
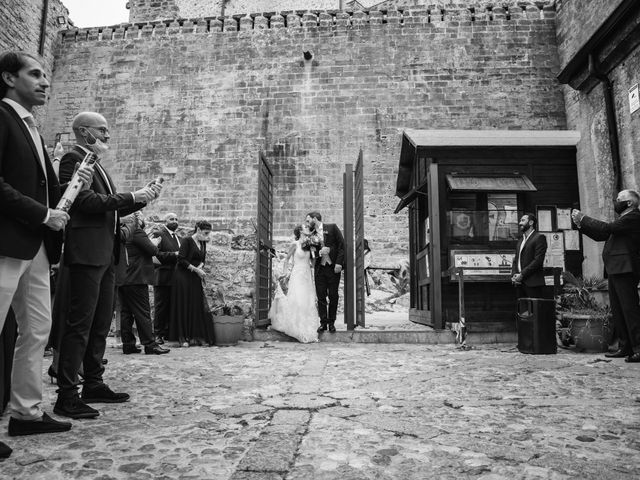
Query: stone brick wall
pixel 577 22
pixel 203 100
pixel 151 10
pixel 20 22
pixel 586 113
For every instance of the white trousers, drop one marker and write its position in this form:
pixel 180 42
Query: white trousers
pixel 24 285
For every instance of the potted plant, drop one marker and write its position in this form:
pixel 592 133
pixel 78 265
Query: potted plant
pixel 228 322
pixel 584 322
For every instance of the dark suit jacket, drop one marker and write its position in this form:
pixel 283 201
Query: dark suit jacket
pixel 531 260
pixel 335 241
pixel 140 252
pixel 167 257
pixel 621 252
pixel 94 226
pixel 24 193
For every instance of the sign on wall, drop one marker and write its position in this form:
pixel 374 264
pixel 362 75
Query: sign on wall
pixel 634 99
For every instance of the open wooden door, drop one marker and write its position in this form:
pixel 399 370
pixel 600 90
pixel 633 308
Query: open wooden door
pixel 264 242
pixel 358 214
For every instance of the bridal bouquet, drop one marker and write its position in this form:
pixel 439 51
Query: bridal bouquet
pixel 313 242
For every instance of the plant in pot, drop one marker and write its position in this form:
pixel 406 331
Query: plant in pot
pixel 228 322
pixel 585 323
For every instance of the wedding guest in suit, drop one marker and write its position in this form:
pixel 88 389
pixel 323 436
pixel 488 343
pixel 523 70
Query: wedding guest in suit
pixel 621 255
pixel 134 293
pixel 191 322
pixel 167 257
pixel 31 237
pixel 527 268
pixel 328 269
pixel 92 250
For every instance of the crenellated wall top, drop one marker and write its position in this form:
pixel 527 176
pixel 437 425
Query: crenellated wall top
pixel 324 19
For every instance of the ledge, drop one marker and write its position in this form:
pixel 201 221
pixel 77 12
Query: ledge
pixel 321 19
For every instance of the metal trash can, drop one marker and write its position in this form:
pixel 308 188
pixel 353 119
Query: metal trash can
pixel 536 324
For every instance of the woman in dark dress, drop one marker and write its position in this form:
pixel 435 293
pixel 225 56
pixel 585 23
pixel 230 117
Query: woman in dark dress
pixel 191 322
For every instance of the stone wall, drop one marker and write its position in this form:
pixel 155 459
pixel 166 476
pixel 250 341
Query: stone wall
pixel 151 10
pixel 202 100
pixel 577 22
pixel 20 22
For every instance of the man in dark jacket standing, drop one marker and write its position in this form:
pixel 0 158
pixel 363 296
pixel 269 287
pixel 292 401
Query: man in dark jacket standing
pixel 92 251
pixel 134 293
pixel 528 276
pixel 30 238
pixel 621 255
pixel 328 269
pixel 167 257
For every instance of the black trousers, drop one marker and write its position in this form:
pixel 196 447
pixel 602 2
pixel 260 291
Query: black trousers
pixel 524 291
pixel 135 307
pixel 84 336
pixel 7 347
pixel 625 310
pixel 162 310
pixel 327 285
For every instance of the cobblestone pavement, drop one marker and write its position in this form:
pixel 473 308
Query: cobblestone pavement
pixel 349 412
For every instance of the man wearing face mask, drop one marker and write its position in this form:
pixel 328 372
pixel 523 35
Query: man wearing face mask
pixel 164 272
pixel 528 276
pixel 621 255
pixel 92 251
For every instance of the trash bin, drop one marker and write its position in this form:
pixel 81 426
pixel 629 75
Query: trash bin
pixel 536 324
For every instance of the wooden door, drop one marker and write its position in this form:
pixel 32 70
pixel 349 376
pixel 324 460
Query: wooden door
pixel 264 242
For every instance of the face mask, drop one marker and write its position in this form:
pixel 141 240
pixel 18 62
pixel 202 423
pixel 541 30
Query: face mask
pixel 620 206
pixel 173 226
pixel 96 145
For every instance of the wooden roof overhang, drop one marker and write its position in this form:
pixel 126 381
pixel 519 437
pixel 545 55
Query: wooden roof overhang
pixel 413 140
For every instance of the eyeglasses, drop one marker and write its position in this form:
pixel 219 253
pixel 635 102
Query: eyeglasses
pixel 102 130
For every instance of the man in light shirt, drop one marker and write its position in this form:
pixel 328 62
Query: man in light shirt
pixel 528 276
pixel 31 238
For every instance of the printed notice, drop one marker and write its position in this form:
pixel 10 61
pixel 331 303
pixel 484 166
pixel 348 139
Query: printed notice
pixel 634 99
pixel 544 220
pixel 564 219
pixel 571 240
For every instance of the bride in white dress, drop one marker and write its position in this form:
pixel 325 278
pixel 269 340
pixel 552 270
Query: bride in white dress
pixel 296 313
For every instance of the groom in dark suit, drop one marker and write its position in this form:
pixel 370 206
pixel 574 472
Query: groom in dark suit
pixel 528 276
pixel 328 269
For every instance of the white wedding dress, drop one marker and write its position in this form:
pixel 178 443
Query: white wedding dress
pixel 296 313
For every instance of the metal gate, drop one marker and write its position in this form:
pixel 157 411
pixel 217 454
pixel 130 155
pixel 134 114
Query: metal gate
pixel 354 279
pixel 264 242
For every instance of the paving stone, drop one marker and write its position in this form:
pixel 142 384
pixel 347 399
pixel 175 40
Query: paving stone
pixel 367 412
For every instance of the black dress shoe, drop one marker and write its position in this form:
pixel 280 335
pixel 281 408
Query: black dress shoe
pixel 617 354
pixel 322 328
pixel 103 394
pixel 33 427
pixel 634 358
pixel 74 408
pixel 129 349
pixel 332 328
pixel 155 350
pixel 5 450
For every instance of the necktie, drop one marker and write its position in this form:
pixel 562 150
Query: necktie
pixel 176 239
pixel 35 136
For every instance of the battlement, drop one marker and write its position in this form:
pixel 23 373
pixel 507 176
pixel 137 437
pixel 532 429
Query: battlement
pixel 318 19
